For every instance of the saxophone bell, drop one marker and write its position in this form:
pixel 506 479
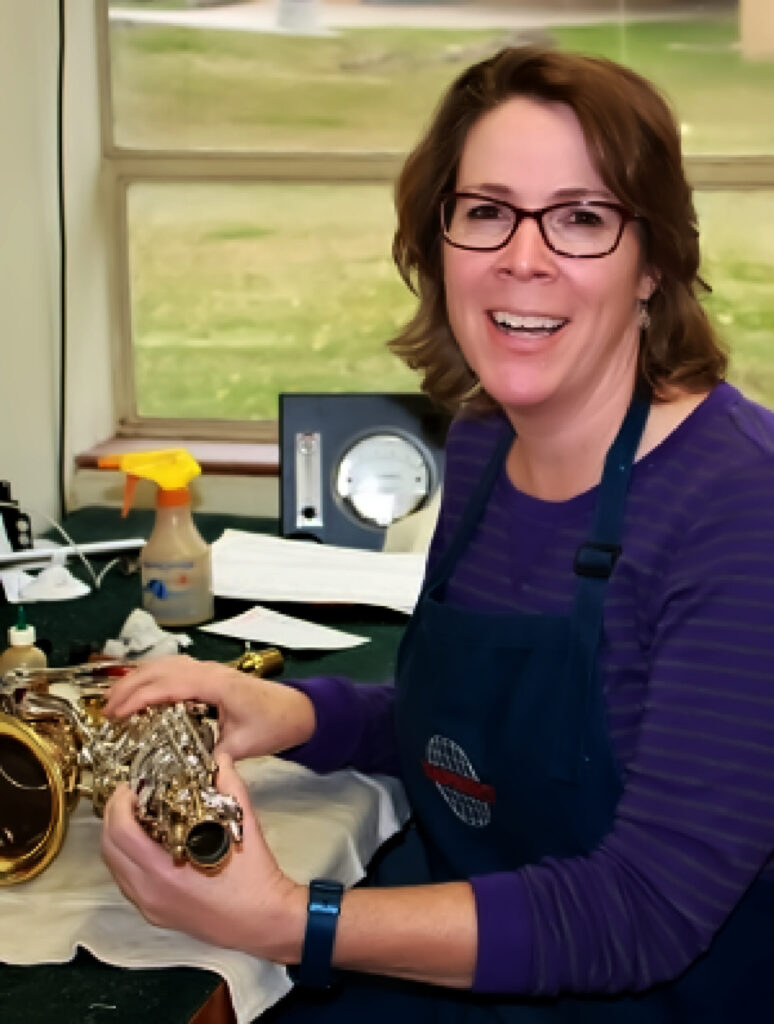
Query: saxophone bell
pixel 38 790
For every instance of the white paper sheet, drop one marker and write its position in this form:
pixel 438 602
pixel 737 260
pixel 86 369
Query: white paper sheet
pixel 254 567
pixel 270 627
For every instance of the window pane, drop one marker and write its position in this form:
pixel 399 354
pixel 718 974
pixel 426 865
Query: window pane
pixel 239 292
pixel 373 88
pixel 738 261
pixel 724 102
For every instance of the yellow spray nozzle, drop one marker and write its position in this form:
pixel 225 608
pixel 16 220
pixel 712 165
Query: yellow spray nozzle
pixel 171 468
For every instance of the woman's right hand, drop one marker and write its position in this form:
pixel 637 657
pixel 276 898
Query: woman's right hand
pixel 255 716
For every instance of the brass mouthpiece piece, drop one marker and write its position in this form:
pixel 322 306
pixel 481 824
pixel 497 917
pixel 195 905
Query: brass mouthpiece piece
pixel 265 662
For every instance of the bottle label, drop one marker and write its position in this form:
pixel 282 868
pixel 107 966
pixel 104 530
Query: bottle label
pixel 177 592
pixel 169 582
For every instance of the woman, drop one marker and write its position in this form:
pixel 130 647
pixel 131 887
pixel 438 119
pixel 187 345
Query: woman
pixel 582 713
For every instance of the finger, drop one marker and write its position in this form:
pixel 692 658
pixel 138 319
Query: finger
pixel 120 822
pixel 165 683
pixel 123 868
pixel 120 806
pixel 124 871
pixel 142 677
pixel 125 834
pixel 137 678
pixel 229 780
pixel 136 881
pixel 122 826
pixel 230 783
pixel 117 844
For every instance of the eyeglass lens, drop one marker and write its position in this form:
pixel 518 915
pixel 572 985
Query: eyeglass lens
pixel 574 229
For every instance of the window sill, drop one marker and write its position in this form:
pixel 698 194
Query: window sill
pixel 222 458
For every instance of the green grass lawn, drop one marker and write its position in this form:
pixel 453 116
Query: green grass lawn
pixel 239 292
pixel 739 263
pixel 245 291
pixel 375 88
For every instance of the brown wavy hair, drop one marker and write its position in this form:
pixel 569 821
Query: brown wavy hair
pixel 634 144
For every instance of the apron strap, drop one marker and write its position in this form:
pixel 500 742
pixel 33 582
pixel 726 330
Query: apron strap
pixel 594 563
pixel 471 515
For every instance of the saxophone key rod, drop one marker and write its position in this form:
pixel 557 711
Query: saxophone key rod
pixel 90 670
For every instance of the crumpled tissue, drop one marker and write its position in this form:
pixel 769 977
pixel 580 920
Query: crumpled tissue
pixel 142 638
pixel 56 583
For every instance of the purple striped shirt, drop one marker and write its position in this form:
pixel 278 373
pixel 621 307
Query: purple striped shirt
pixel 688 672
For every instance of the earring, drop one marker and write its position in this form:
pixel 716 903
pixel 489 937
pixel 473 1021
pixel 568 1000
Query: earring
pixel 644 315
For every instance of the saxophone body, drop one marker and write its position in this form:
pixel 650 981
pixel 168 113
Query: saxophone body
pixel 53 750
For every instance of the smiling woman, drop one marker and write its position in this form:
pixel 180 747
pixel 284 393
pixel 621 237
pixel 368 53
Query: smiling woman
pixel 581 712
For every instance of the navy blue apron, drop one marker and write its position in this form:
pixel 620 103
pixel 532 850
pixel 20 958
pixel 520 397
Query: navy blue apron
pixel 507 759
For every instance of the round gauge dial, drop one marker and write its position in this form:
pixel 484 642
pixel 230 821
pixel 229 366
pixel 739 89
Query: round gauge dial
pixel 383 478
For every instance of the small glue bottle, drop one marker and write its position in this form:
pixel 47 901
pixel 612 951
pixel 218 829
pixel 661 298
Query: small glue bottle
pixel 21 652
pixel 175 564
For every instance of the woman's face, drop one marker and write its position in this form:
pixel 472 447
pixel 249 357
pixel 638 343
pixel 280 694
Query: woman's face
pixel 542 330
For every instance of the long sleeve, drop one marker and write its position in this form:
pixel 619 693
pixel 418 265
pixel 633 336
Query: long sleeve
pixel 355 726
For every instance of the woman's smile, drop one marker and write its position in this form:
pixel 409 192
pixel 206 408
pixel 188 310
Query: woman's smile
pixel 527 325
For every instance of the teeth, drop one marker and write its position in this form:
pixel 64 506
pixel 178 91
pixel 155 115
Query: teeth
pixel 527 323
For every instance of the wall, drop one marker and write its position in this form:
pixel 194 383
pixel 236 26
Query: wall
pixel 29 284
pixel 29 321
pixel 90 405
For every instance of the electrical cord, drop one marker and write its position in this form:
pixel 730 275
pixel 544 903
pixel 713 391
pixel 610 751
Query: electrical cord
pixel 62 263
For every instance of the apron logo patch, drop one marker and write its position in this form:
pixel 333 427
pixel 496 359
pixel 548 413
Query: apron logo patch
pixel 448 766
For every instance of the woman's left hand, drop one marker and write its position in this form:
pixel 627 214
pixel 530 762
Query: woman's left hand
pixel 249 904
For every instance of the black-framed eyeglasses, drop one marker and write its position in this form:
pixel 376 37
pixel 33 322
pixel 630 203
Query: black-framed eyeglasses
pixel 580 228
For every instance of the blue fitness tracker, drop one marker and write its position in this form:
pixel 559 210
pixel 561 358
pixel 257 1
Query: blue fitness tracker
pixel 323 908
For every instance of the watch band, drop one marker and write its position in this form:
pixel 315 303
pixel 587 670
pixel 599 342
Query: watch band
pixel 323 908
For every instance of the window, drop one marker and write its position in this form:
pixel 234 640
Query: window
pixel 251 287
pixel 738 261
pixel 253 170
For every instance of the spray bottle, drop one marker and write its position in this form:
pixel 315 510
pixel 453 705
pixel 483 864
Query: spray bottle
pixel 21 652
pixel 175 563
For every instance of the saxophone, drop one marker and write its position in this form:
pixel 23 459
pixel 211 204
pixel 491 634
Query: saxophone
pixel 52 750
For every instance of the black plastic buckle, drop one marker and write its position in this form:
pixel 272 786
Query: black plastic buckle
pixel 596 560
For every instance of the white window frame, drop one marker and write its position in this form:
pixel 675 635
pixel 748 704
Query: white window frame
pixel 124 167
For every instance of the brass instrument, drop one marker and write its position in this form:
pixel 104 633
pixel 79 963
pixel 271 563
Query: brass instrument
pixel 52 749
pixel 264 662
